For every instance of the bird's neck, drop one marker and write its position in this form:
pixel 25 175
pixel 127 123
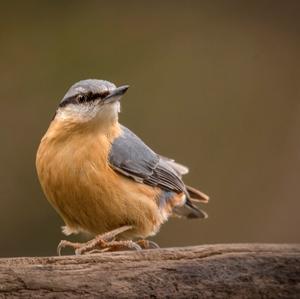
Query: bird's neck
pixel 66 142
pixel 62 130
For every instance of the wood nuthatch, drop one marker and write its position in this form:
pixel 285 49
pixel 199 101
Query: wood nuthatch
pixel 103 179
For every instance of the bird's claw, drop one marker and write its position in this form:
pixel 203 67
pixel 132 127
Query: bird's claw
pixel 146 244
pixel 64 243
pixel 98 247
pixel 106 242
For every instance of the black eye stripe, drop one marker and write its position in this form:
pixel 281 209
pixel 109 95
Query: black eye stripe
pixel 81 98
pixel 89 97
pixel 67 101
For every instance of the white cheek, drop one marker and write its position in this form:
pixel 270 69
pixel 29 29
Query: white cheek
pixel 109 112
pixel 80 112
pixel 118 107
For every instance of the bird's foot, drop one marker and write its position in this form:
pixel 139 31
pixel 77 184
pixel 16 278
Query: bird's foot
pixel 146 244
pixel 101 243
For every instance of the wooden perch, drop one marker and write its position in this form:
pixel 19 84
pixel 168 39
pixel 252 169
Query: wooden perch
pixel 209 271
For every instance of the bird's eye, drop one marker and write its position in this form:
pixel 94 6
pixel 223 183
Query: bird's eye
pixel 81 98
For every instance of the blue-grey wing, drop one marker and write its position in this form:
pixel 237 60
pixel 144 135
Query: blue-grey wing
pixel 130 156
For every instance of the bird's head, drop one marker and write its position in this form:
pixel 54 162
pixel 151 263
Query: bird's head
pixel 91 100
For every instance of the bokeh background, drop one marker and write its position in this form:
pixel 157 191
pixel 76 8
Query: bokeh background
pixel 214 84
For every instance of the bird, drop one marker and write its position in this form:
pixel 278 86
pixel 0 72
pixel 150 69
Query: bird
pixel 103 180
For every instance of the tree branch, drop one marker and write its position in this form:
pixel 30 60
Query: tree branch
pixel 208 271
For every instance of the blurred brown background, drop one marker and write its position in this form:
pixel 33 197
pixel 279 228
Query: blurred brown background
pixel 214 84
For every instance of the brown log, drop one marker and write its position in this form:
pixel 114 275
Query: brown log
pixel 208 271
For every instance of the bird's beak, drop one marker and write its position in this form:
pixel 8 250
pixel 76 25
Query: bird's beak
pixel 116 94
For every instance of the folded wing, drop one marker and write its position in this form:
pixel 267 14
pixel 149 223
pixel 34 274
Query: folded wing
pixel 130 156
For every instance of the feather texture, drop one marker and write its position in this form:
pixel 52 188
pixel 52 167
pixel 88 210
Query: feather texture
pixel 130 156
pixel 133 158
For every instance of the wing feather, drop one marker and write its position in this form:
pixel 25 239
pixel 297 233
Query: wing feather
pixel 130 156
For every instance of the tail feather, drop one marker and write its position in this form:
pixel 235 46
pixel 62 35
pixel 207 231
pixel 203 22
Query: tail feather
pixel 197 195
pixel 189 211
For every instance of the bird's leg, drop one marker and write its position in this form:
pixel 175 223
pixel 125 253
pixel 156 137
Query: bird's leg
pixel 123 245
pixel 146 244
pixel 114 246
pixel 65 243
pixel 100 242
pixel 103 244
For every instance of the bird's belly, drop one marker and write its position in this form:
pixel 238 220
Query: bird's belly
pixel 92 197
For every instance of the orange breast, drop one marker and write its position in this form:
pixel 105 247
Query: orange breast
pixel 88 194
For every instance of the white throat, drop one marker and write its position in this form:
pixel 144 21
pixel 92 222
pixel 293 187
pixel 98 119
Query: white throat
pixel 107 113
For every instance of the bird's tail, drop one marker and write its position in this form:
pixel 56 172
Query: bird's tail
pixel 197 195
pixel 190 210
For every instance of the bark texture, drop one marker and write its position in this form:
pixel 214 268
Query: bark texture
pixel 208 271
